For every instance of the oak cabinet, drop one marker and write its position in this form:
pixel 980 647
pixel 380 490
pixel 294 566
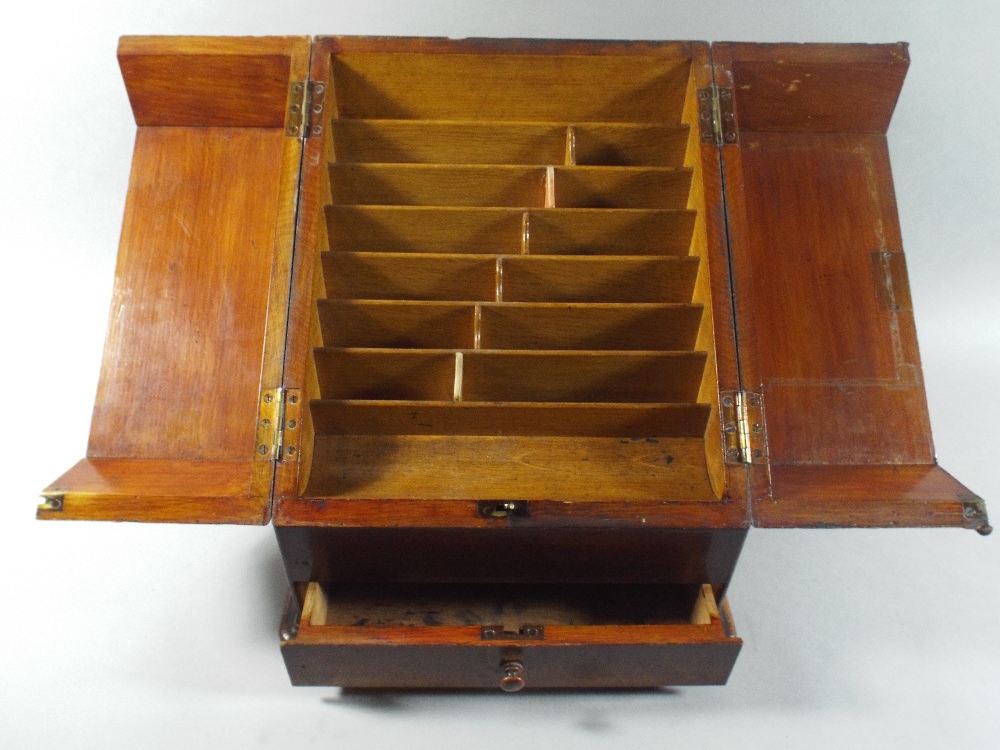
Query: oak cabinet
pixel 511 340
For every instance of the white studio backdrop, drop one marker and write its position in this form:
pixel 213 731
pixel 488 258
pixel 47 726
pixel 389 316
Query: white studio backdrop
pixel 118 636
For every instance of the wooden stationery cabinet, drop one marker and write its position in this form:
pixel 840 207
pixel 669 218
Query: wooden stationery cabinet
pixel 512 340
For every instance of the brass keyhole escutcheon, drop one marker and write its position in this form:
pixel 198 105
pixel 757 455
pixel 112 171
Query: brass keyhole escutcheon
pixel 513 676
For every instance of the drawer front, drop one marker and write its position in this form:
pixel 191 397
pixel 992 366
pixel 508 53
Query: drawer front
pixel 700 652
pixel 490 667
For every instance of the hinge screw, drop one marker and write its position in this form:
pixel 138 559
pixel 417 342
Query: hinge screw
pixel 262 450
pixel 268 398
pixel 727 401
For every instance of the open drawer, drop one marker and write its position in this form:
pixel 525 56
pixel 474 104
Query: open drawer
pixel 508 636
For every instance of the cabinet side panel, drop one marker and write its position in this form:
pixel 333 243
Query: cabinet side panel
pixel 183 356
pixel 210 81
pixel 836 345
pixel 824 317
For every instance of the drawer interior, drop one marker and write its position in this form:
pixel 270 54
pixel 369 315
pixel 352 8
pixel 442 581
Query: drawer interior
pixel 512 299
pixel 511 606
pixel 456 635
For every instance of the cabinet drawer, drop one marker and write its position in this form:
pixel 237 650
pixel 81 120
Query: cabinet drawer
pixel 510 637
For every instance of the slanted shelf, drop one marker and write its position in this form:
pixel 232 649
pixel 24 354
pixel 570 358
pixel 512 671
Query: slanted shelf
pixel 511 300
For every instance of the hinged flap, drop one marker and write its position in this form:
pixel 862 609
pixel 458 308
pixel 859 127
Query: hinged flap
pixel 824 322
pixel 197 326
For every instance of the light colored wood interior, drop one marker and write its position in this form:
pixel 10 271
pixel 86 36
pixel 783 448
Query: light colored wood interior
pixel 513 607
pixel 512 302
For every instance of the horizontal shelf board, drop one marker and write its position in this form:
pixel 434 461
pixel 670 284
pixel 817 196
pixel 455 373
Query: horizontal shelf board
pixel 569 353
pixel 408 276
pixel 628 421
pixel 589 327
pixel 524 278
pixel 522 87
pixel 611 231
pixel 444 229
pixel 385 374
pixel 582 376
pixel 630 145
pixel 437 185
pixel 463 467
pixel 427 325
pixel 480 142
pixel 569 376
pixel 421 229
pixel 598 279
pixel 622 187
pixel 424 324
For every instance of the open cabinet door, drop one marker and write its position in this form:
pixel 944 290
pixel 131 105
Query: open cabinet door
pixel 193 355
pixel 825 325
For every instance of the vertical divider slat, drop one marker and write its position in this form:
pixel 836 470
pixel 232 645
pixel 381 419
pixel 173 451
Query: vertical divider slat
pixel 570 146
pixel 550 186
pixel 459 367
pixel 499 282
pixel 525 232
pixel 477 326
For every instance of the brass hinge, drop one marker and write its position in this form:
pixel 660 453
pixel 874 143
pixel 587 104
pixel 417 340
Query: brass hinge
pixel 743 428
pixel 306 100
pixel 278 424
pixel 717 116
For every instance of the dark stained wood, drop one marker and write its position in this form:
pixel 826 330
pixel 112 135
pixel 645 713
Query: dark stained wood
pixel 408 513
pixel 444 656
pixel 211 81
pixel 840 367
pixel 818 88
pixel 578 666
pixel 600 552
pixel 868 496
pixel 826 329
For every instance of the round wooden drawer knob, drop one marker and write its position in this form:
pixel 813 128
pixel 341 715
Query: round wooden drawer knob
pixel 512 679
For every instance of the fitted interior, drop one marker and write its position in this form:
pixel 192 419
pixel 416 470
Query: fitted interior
pixel 513 299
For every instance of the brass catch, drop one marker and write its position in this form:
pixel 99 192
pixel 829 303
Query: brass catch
pixel 524 633
pixel 502 508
